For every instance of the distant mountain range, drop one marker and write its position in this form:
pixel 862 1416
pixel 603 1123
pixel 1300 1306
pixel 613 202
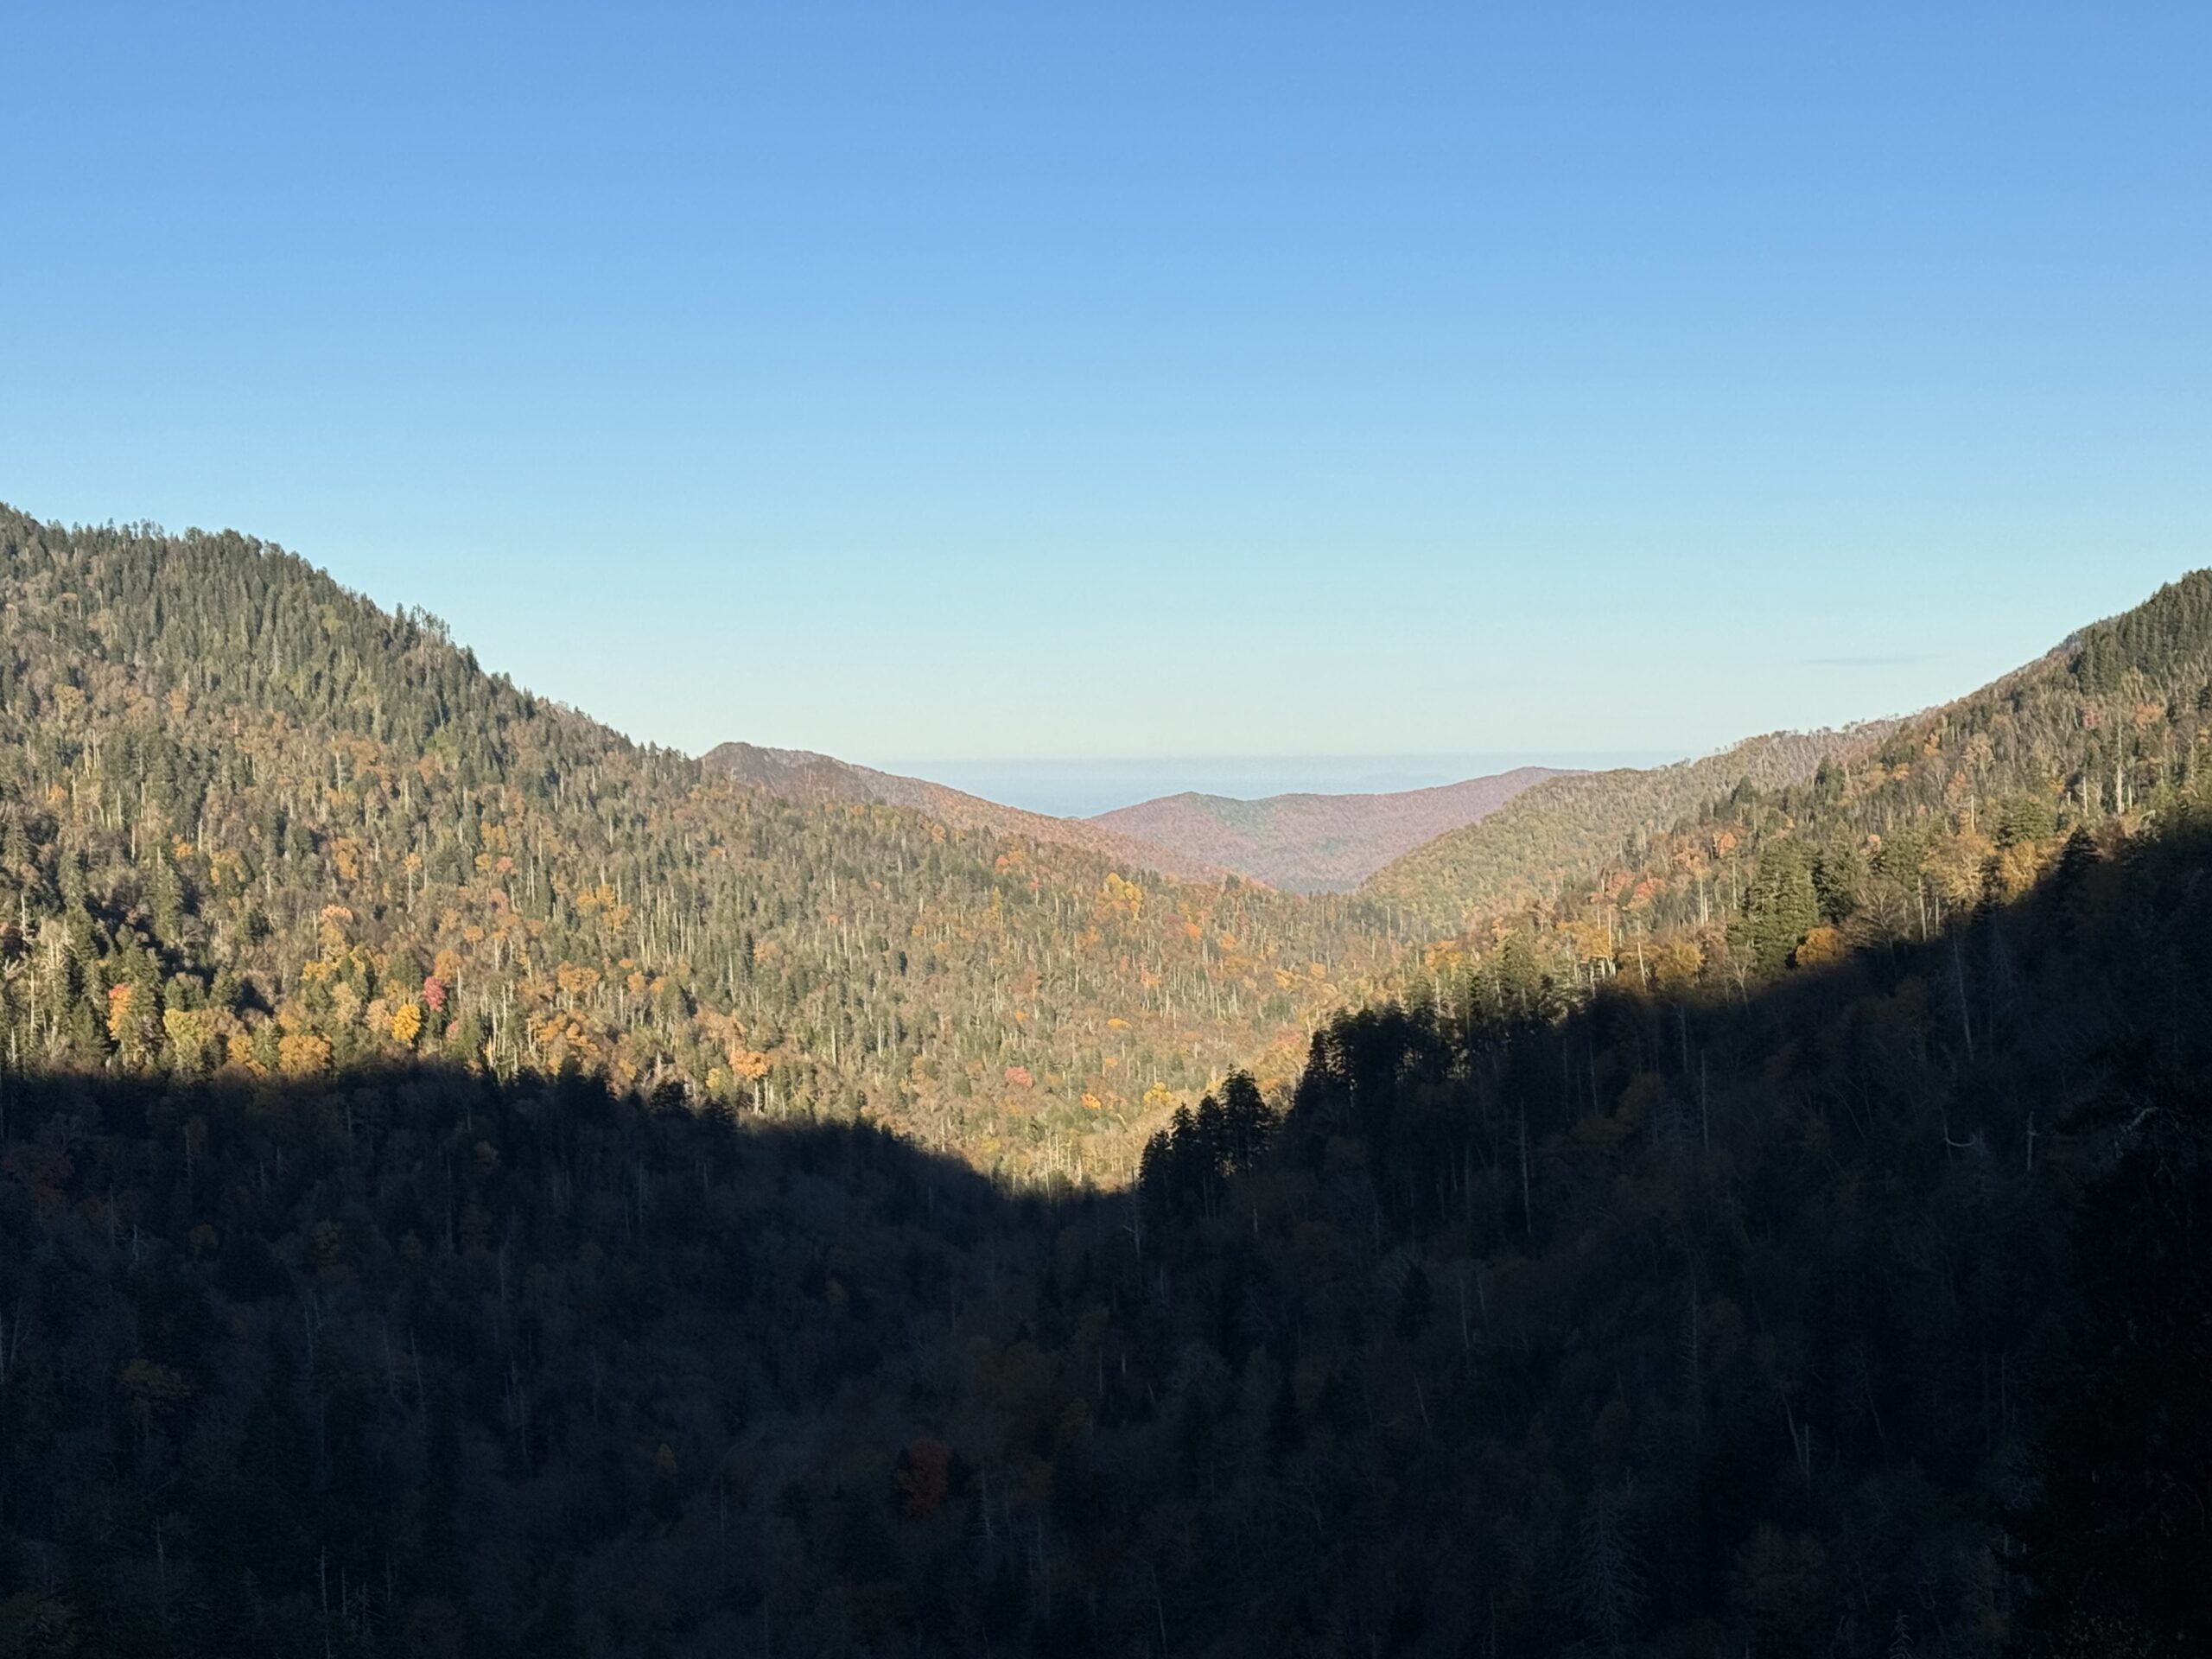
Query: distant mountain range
pixel 1312 843
pixel 1304 842
pixel 803 775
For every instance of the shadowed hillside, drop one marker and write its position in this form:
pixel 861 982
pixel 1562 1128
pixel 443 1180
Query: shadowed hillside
pixel 1679 1323
pixel 447 1204
pixel 1315 844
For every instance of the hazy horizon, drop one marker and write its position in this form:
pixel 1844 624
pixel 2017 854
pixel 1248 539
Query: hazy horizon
pixel 1085 787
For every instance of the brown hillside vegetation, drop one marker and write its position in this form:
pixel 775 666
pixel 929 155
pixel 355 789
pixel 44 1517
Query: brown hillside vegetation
pixel 1860 1311
pixel 440 1213
pixel 1313 842
pixel 803 775
pixel 1552 834
pixel 251 823
pixel 1824 842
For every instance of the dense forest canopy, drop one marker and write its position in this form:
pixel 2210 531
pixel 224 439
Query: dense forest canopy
pixel 470 1184
pixel 1553 835
pixel 1866 1313
pixel 249 820
pixel 1787 849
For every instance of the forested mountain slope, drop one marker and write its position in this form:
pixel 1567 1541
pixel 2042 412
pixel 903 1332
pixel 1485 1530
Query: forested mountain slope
pixel 1889 831
pixel 1315 844
pixel 1791 1237
pixel 1554 834
pixel 803 775
pixel 250 822
pixel 1862 1310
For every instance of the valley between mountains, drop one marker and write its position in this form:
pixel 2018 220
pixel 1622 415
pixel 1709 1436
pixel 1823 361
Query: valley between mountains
pixel 303 834
pixel 471 1182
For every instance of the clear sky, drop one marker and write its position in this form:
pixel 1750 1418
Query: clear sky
pixel 1047 381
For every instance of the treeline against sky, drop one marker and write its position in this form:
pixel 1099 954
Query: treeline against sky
pixel 251 823
pixel 1787 850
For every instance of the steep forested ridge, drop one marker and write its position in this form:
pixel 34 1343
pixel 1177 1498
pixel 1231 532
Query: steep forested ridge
pixel 1834 840
pixel 249 820
pixel 1315 844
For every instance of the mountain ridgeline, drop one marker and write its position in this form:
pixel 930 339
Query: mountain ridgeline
pixel 1533 847
pixel 1787 849
pixel 802 775
pixel 1315 844
pixel 249 820
pixel 470 1184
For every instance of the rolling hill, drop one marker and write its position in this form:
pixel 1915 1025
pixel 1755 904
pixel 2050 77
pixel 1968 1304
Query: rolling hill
pixel 1310 843
pixel 802 775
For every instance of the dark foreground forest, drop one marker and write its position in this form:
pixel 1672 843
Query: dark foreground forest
pixel 1863 1313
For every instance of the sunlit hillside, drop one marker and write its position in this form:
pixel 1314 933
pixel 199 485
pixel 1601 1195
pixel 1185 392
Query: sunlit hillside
pixel 252 823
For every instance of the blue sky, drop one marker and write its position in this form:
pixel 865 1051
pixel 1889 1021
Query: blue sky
pixel 913 381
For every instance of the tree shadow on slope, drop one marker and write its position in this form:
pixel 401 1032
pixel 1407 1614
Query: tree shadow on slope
pixel 415 1360
pixel 1708 1318
pixel 1674 1323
